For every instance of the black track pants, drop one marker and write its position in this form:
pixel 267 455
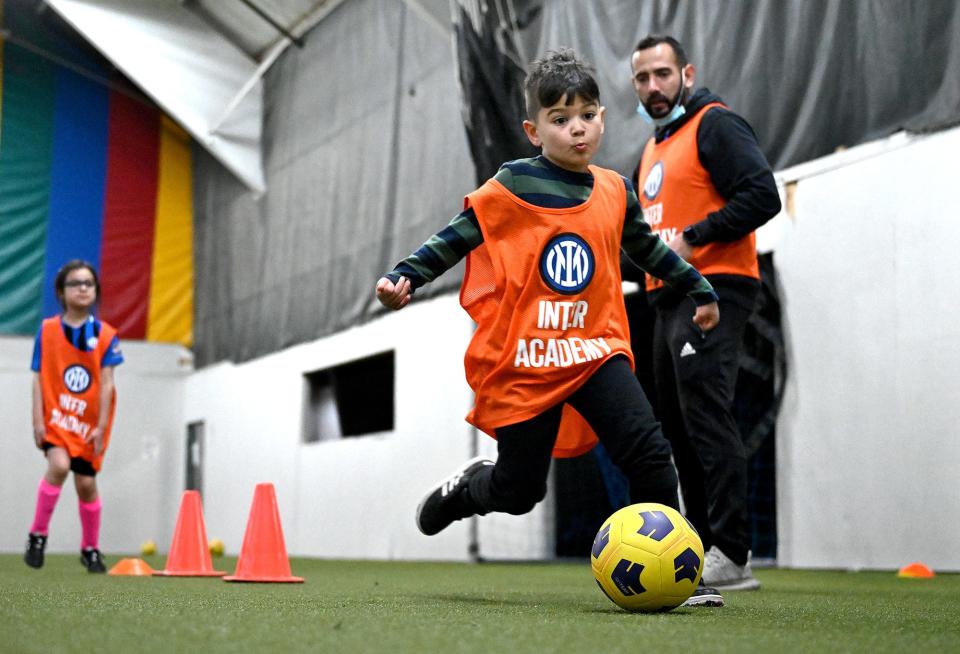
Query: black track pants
pixel 615 406
pixel 696 375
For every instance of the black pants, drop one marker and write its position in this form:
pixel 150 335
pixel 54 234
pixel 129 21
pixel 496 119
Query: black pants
pixel 614 405
pixel 696 375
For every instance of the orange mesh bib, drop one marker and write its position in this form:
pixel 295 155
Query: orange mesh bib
pixel 676 192
pixel 70 386
pixel 545 292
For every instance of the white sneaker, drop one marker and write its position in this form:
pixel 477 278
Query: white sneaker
pixel 723 574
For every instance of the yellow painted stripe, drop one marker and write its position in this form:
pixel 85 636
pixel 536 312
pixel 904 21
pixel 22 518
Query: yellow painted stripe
pixel 171 284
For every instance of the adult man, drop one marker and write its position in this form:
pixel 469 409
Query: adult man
pixel 704 186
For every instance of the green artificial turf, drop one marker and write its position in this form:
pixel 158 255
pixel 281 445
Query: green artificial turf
pixel 436 607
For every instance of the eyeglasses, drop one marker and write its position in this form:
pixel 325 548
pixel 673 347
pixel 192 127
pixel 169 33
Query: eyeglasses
pixel 85 283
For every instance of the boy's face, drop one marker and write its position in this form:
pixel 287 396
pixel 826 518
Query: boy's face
pixel 568 134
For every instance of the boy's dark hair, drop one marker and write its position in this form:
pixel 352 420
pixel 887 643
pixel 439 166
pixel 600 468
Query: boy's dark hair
pixel 559 74
pixel 69 267
pixel 653 40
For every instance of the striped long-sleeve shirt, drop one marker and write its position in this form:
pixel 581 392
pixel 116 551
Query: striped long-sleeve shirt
pixel 544 184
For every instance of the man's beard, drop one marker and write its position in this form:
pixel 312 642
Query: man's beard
pixel 656 96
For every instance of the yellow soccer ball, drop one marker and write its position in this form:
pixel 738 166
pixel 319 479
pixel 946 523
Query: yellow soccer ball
pixel 148 548
pixel 216 547
pixel 647 557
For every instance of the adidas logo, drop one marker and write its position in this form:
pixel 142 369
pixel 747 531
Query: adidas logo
pixel 450 484
pixel 687 350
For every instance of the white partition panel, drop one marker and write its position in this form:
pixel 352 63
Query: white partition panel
pixel 867 445
pixel 354 497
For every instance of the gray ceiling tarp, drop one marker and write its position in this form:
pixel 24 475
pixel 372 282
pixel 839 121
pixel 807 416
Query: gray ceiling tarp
pixel 365 156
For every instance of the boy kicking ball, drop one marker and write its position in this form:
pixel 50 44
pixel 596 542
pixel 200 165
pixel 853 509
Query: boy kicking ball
pixel 543 239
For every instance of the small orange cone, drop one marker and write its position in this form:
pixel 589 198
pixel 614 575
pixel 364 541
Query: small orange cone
pixel 188 555
pixel 132 568
pixel 916 570
pixel 263 556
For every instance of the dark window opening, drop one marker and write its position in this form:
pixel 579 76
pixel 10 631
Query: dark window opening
pixel 352 399
pixel 194 466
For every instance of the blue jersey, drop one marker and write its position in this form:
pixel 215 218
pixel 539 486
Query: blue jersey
pixel 84 338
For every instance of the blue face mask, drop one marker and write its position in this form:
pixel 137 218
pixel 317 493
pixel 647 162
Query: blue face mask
pixel 675 113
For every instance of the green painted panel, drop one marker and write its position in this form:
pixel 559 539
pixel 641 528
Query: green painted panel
pixel 25 159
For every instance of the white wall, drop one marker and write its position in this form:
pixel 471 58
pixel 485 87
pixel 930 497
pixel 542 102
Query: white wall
pixel 868 452
pixel 354 497
pixel 143 470
pixel 351 498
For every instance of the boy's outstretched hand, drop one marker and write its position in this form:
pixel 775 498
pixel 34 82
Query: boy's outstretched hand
pixel 393 296
pixel 706 317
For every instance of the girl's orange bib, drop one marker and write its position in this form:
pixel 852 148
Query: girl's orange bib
pixel 70 385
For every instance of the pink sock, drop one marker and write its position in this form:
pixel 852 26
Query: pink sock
pixel 47 496
pixel 90 521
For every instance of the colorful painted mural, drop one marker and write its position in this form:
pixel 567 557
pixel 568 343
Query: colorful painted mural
pixel 93 171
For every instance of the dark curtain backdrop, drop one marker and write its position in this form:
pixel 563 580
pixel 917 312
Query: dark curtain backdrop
pixel 809 75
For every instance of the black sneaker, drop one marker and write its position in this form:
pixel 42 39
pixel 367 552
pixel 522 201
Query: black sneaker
pixel 36 544
pixel 92 560
pixel 443 504
pixel 704 596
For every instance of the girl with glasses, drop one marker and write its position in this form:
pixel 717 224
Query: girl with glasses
pixel 73 403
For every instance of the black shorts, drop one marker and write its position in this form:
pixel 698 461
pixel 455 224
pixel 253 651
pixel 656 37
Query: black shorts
pixel 77 465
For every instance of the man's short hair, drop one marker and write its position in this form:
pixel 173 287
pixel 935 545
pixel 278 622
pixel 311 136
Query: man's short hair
pixel 559 74
pixel 653 40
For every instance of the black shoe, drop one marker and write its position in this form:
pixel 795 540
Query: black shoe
pixel 36 544
pixel 92 560
pixel 444 503
pixel 704 596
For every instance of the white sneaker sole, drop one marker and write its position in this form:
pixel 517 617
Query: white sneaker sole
pixel 705 600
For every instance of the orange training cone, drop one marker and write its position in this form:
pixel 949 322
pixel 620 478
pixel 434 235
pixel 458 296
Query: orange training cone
pixel 916 570
pixel 188 555
pixel 263 556
pixel 131 567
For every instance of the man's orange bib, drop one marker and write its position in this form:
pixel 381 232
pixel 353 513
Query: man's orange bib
pixel 70 386
pixel 545 291
pixel 676 192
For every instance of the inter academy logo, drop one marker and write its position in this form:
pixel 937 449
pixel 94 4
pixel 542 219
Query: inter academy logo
pixel 651 185
pixel 566 264
pixel 77 379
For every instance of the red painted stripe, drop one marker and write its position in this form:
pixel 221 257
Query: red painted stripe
pixel 129 215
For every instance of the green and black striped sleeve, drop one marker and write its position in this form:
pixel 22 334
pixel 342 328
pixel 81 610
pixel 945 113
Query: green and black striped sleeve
pixel 440 252
pixel 650 253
